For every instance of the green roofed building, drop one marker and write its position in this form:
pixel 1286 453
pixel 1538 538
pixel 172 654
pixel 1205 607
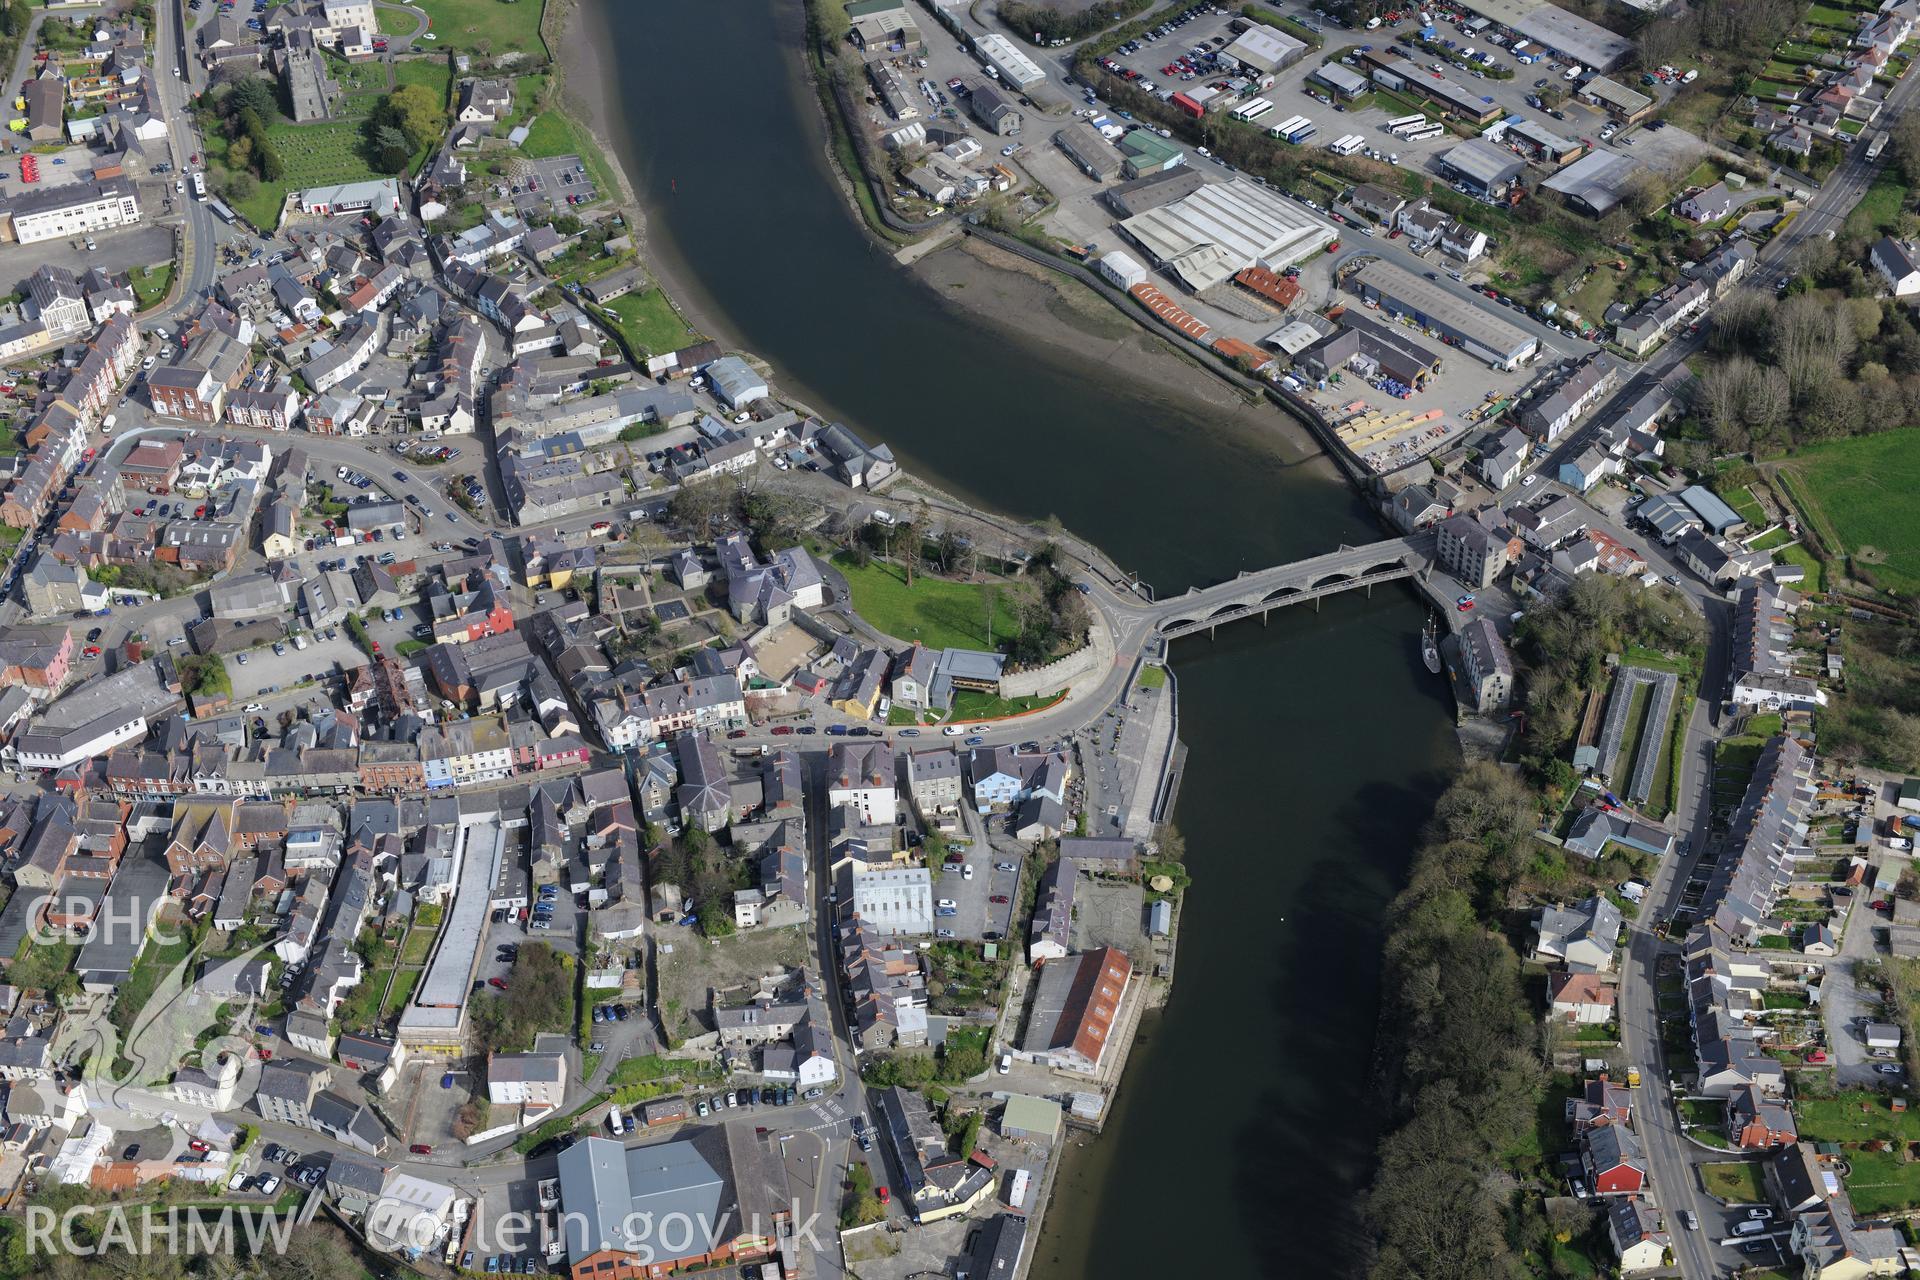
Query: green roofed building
pixel 1148 152
pixel 1030 1117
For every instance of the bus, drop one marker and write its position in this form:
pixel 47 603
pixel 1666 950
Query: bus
pixel 1346 146
pixel 220 210
pixel 1252 110
pixel 1301 134
pixel 1877 145
pixel 1287 126
pixel 1405 122
pixel 199 184
pixel 1421 135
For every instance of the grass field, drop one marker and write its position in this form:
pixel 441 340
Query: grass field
pixel 393 22
pixel 649 323
pixel 1842 1119
pixel 1879 208
pixel 971 704
pixel 1862 490
pixel 418 946
pixel 1838 17
pixel 1816 572
pixel 1734 1183
pixel 1881 1182
pixel 500 25
pixel 402 990
pixel 150 284
pixel 937 613
pixel 431 72
pixel 1743 501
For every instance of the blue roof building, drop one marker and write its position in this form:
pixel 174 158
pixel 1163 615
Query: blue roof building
pixel 1706 504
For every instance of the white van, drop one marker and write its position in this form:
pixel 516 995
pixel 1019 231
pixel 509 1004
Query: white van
pixel 1006 1063
pixel 1749 1228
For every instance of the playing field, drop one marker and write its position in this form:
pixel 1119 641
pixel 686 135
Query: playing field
pixel 1862 493
pixel 498 24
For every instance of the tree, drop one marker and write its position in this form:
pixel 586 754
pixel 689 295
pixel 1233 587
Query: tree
pixel 391 149
pixel 416 112
pixel 272 168
pixel 252 94
pixel 318 1252
pixel 700 509
pixel 240 153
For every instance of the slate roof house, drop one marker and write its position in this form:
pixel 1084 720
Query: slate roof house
pixel 1582 938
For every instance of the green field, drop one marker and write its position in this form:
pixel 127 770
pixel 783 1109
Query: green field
pixel 393 22
pixel 971 704
pixel 1743 501
pixel 418 947
pixel 1837 17
pixel 150 284
pixel 649 323
pixel 1816 572
pixel 1859 1116
pixel 500 25
pixel 431 72
pixel 1881 1182
pixel 1861 489
pixel 937 613
pixel 402 990
pixel 1879 208
pixel 1734 1183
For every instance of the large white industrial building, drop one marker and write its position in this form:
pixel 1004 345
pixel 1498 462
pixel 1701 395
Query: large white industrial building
pixel 1013 66
pixel 1202 239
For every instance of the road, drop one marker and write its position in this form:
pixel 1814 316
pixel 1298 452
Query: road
pixel 1671 1156
pixel 201 231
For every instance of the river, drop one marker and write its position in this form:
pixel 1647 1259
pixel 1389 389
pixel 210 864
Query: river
pixel 1243 1130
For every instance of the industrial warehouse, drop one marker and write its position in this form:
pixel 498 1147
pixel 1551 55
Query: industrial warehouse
pixel 1566 34
pixel 1204 238
pixel 1458 322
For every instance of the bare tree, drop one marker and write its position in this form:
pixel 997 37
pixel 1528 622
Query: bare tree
pixel 1741 321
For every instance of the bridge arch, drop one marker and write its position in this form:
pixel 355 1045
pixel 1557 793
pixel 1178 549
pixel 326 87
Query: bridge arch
pixel 1385 566
pixel 1329 580
pixel 1234 606
pixel 1281 594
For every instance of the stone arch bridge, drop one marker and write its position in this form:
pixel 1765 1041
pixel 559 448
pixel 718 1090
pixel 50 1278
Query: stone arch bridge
pixel 1260 592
